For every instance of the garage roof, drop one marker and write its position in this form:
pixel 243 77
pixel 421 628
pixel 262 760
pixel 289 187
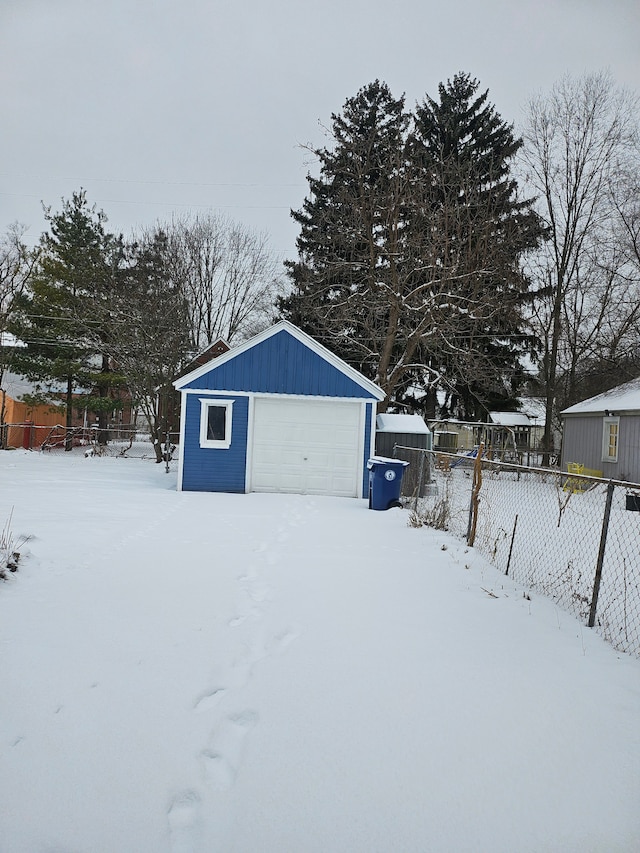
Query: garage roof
pixel 271 363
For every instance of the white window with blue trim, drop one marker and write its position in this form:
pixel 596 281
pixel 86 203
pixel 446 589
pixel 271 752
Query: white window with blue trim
pixel 216 417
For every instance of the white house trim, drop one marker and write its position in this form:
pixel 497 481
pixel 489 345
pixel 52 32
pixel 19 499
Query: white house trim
pixel 610 430
pixel 203 392
pixel 183 428
pixel 207 403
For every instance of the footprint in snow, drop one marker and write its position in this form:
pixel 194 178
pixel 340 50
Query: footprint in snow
pixel 283 639
pixel 218 773
pixel 245 612
pixel 184 821
pixel 222 760
pixel 258 593
pixel 209 699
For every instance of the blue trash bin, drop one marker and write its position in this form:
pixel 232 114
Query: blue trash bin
pixel 385 481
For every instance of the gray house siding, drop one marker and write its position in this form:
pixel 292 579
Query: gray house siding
pixel 582 443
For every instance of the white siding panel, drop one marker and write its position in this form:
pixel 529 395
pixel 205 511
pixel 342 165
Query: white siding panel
pixel 306 446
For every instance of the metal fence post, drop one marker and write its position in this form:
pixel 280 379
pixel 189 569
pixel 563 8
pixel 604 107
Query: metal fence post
pixel 513 536
pixel 420 480
pixel 603 543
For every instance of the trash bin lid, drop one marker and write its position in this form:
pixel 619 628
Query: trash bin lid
pixel 384 460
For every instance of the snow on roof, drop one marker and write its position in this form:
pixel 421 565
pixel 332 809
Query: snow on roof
pixel 622 398
pixel 17 386
pixel 413 424
pixel 509 419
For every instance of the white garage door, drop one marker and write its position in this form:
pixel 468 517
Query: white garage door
pixel 306 446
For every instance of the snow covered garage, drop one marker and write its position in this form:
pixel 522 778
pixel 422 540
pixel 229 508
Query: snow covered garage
pixel 279 413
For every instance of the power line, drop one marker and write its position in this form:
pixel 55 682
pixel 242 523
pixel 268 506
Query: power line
pixel 169 203
pixel 154 182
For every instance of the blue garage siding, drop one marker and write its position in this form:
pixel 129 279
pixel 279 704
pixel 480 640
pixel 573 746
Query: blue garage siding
pixel 281 364
pixel 213 470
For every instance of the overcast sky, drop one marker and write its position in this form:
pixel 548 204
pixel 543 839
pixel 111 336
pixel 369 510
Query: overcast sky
pixel 158 107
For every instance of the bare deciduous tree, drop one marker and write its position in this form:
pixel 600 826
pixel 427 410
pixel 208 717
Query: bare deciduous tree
pixel 228 274
pixel 16 268
pixel 148 328
pixel 576 138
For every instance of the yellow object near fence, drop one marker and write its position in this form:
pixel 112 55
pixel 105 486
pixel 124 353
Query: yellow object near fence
pixel 578 484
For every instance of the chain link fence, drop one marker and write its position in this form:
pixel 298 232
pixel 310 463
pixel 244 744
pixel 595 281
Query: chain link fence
pixel 118 440
pixel 574 538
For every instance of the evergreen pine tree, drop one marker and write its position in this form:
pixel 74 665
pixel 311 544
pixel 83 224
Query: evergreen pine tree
pixel 60 320
pixel 411 244
pixel 350 229
pixel 471 231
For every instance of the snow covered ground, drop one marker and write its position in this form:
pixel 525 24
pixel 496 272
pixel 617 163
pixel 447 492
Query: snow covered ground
pixel 187 672
pixel 556 549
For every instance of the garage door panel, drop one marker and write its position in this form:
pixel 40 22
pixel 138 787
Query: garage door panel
pixel 289 481
pixel 341 460
pixel 306 446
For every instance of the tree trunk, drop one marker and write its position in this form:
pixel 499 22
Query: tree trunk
pixel 551 377
pixel 68 439
pixel 156 440
pixel 103 414
pixel 430 405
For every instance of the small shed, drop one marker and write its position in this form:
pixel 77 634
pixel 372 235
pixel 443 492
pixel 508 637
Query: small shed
pixel 279 413
pixel 406 431
pixel 603 433
pixel 447 440
pixel 508 433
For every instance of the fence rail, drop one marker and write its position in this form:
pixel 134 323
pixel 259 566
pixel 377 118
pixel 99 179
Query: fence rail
pixel 116 440
pixel 575 538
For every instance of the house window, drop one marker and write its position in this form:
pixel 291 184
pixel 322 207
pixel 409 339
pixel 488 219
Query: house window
pixel 610 435
pixel 215 423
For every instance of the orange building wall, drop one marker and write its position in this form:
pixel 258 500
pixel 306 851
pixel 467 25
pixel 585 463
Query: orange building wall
pixel 42 417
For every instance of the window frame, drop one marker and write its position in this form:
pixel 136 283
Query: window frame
pixel 207 403
pixel 607 423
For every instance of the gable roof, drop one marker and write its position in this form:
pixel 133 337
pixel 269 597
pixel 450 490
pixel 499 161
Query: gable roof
pixel 286 328
pixel 624 398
